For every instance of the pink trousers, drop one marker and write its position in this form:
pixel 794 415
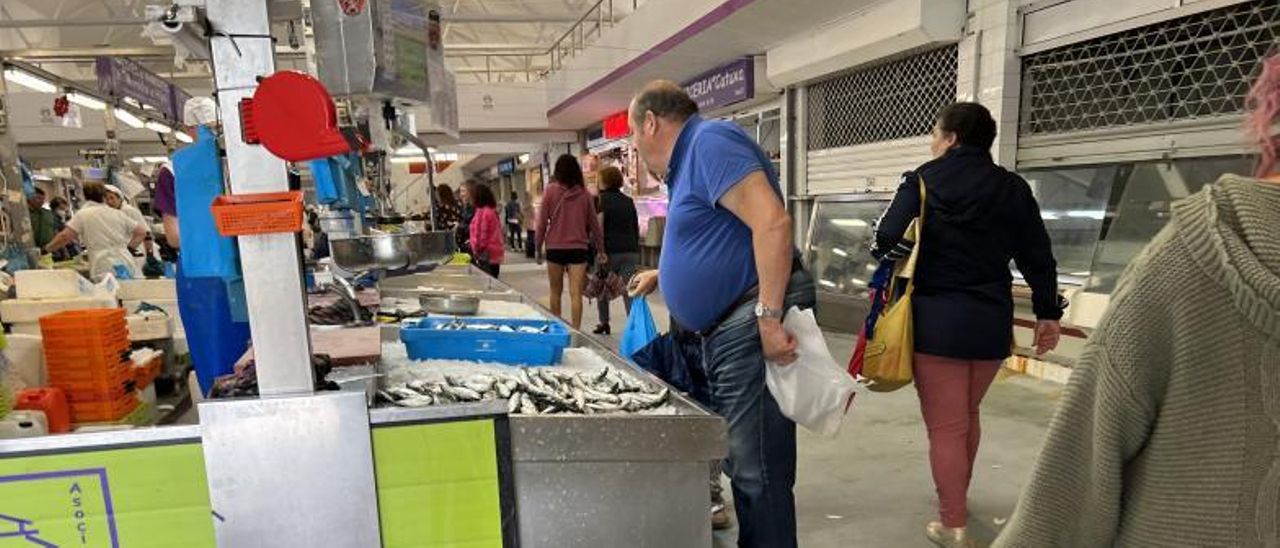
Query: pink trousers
pixel 950 392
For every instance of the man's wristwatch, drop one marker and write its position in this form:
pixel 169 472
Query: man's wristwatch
pixel 763 311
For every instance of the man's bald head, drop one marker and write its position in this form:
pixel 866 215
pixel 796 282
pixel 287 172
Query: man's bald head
pixel 666 100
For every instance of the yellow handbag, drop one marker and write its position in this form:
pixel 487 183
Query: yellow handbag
pixel 887 364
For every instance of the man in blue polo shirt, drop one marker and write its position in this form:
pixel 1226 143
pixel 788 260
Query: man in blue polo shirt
pixel 729 271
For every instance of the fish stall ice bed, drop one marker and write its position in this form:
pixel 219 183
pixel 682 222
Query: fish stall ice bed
pixel 605 477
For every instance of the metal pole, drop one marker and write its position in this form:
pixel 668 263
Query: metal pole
pixel 18 230
pixel 272 263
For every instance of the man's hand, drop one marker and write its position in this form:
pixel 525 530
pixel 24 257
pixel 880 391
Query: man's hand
pixel 643 283
pixel 779 346
pixel 1047 334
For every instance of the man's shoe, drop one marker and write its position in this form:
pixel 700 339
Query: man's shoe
pixel 720 519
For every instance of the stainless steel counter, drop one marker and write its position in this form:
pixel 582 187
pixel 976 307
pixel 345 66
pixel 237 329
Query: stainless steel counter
pixel 601 480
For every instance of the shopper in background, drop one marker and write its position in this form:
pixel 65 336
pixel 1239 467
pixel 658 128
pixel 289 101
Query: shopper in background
pixel 729 271
pixel 43 223
pixel 567 227
pixel 977 218
pixel 1167 432
pixel 621 229
pixel 514 221
pixel 107 234
pixel 466 211
pixel 61 214
pixel 487 251
pixel 530 215
pixel 447 210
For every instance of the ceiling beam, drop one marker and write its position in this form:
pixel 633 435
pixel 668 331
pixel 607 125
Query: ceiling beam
pixel 139 21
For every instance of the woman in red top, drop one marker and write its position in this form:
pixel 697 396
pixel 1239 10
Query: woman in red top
pixel 486 231
pixel 567 228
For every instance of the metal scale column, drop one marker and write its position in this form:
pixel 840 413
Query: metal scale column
pixel 292 468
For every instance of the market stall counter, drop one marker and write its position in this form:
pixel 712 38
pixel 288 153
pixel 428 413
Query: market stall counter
pixel 478 471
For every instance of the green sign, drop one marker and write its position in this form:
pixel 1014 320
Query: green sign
pixel 136 497
pixel 438 485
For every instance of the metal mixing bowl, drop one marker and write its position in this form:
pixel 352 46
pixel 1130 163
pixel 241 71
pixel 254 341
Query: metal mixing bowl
pixel 452 305
pixel 392 251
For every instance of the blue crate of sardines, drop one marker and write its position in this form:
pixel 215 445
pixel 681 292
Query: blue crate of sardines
pixel 500 340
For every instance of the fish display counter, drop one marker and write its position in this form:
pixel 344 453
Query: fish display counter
pixel 604 453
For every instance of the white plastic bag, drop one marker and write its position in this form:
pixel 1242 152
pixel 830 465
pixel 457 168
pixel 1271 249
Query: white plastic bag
pixel 813 391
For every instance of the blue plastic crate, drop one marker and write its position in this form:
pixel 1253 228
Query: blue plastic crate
pixel 424 342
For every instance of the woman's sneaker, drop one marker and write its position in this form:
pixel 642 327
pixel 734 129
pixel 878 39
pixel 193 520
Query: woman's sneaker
pixel 947 537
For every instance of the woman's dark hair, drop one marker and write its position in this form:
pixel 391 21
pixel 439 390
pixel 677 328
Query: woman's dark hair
pixel 444 195
pixel 95 192
pixel 971 123
pixel 567 171
pixel 57 202
pixel 482 196
pixel 610 178
pixel 514 196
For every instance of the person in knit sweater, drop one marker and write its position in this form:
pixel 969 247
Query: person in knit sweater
pixel 1169 431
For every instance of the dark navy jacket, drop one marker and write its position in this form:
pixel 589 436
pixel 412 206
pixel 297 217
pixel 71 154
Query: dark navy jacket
pixel 978 218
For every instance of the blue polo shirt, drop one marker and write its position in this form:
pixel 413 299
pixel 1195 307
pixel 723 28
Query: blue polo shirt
pixel 707 258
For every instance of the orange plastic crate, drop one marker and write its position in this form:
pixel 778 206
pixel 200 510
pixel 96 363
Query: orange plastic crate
pixel 263 213
pixel 86 374
pixel 108 410
pixel 81 357
pixel 88 318
pixel 83 394
pixel 144 374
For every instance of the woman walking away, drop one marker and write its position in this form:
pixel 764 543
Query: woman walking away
pixel 977 217
pixel 621 238
pixel 486 231
pixel 567 226
pixel 1167 432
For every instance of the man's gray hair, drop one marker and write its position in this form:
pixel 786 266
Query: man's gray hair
pixel 666 100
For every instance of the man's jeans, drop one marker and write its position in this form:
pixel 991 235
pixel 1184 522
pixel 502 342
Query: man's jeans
pixel 762 442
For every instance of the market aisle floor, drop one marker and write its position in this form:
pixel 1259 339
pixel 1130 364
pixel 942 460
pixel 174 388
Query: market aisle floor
pixel 870 486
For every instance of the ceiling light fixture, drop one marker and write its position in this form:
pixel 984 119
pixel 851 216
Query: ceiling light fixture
pixel 157 127
pixel 129 118
pixel 86 101
pixel 29 81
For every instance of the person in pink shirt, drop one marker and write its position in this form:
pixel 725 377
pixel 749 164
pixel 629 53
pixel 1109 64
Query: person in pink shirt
pixel 487 250
pixel 567 228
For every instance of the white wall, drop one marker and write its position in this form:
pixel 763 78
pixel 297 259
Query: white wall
pixel 506 106
pixel 654 22
pixel 864 36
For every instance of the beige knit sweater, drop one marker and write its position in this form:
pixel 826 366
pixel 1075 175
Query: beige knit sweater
pixel 1168 434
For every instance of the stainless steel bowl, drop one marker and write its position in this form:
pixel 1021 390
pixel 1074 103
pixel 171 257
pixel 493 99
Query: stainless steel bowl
pixel 392 251
pixel 452 305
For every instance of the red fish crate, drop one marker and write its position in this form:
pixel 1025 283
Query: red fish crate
pixel 82 323
pixel 91 375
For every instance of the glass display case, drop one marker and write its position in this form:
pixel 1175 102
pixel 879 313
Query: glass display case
pixel 1099 218
pixel 837 252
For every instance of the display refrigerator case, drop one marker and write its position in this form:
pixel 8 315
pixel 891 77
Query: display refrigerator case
pixel 838 255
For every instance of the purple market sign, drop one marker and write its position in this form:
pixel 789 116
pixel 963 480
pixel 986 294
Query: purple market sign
pixel 724 85
pixel 125 78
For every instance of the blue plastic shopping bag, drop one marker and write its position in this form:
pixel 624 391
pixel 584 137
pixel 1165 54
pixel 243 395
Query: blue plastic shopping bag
pixel 640 329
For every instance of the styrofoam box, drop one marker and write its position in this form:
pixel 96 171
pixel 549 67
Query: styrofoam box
pixel 148 290
pixel 149 327
pixel 50 284
pixel 26 353
pixel 168 305
pixel 29 311
pixel 26 328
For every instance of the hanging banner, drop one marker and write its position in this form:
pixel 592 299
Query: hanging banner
pixel 124 78
pixel 617 126
pixel 724 85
